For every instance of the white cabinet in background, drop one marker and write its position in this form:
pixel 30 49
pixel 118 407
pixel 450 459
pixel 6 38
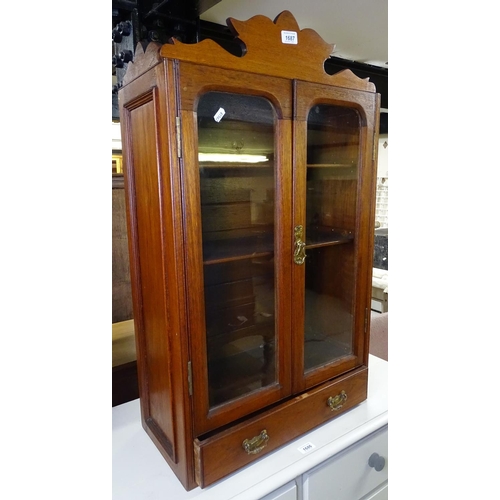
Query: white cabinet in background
pixel 286 492
pixel 358 473
pixel 381 493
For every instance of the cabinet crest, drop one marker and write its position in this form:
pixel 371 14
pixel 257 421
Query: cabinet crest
pixel 144 59
pixel 277 48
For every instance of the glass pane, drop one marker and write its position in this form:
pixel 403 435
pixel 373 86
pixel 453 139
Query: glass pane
pixel 329 295
pixel 332 170
pixel 236 158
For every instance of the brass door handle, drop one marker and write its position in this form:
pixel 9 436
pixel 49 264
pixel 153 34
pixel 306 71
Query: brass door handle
pixel 336 402
pixel 299 250
pixel 256 444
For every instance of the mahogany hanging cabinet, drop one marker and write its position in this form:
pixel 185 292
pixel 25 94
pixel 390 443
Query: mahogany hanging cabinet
pixel 250 200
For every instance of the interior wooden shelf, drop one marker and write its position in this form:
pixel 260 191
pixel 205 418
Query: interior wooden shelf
pixel 229 165
pixel 333 165
pixel 322 238
pixel 311 246
pixel 219 251
pixel 222 260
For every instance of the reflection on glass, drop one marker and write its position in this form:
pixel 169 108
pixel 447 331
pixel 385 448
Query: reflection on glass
pixel 332 170
pixel 236 159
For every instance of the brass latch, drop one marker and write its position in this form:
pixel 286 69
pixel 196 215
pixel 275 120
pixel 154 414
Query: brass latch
pixel 299 251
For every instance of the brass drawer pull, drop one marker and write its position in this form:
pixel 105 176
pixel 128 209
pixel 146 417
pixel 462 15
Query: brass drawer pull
pixel 336 402
pixel 256 444
pixel 299 250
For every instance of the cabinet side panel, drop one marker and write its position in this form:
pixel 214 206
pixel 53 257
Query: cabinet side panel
pixel 152 317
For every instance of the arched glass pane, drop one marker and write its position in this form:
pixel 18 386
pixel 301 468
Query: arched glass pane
pixel 331 201
pixel 237 185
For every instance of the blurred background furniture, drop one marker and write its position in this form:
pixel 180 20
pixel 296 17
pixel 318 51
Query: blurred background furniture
pixel 124 385
pixel 380 280
pixel 380 289
pixel 379 335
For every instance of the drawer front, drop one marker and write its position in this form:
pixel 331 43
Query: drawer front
pixel 381 493
pixel 286 492
pixel 224 453
pixel 348 475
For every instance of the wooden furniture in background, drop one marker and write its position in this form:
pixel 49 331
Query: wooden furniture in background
pixel 124 371
pixel 122 290
pixel 251 272
pixel 125 384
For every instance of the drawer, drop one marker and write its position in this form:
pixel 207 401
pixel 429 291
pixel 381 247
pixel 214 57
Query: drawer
pixel 381 493
pixel 223 453
pixel 348 475
pixel 286 492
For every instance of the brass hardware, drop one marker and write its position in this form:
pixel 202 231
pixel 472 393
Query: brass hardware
pixel 256 444
pixel 299 251
pixel 335 403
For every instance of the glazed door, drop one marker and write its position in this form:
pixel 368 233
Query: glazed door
pixel 333 183
pixel 236 132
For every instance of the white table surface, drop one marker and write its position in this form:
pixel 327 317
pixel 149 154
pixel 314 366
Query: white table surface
pixel 141 473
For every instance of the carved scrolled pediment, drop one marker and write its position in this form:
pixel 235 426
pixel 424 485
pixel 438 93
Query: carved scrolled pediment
pixel 266 50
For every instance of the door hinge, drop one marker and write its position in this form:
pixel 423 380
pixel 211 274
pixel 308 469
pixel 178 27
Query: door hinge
pixel 190 379
pixel 366 319
pixel 178 135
